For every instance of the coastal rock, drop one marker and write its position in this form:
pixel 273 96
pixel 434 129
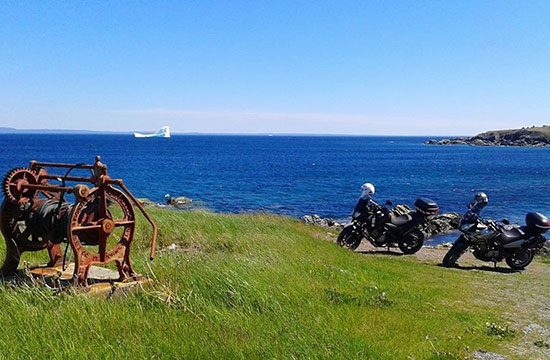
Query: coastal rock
pixel 179 201
pixel 533 136
pixel 436 225
pixel 545 251
pixel 457 141
pixel 479 142
pixel 315 219
pixel 441 224
pixel 146 202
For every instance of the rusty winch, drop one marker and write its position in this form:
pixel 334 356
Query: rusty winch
pixel 36 216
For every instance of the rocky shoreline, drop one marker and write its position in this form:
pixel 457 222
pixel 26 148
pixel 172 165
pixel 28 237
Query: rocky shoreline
pixel 441 224
pixel 177 202
pixel 437 225
pixel 533 137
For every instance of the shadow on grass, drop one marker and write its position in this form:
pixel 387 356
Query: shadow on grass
pixel 500 270
pixel 380 252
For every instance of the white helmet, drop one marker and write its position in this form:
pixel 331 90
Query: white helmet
pixel 367 189
pixel 481 199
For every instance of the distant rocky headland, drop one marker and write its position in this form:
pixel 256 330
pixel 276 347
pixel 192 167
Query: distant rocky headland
pixel 532 136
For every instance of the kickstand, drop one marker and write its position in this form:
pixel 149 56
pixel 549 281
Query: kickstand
pixel 495 264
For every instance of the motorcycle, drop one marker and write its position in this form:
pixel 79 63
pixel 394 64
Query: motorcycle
pixel 492 242
pixel 382 229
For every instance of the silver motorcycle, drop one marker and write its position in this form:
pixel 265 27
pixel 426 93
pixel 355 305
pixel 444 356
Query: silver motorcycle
pixel 492 241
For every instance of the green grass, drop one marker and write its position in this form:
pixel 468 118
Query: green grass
pixel 255 286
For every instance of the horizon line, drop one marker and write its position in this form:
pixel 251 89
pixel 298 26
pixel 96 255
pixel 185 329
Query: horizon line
pixel 9 130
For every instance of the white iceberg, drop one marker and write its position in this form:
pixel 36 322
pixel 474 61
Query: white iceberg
pixel 164 132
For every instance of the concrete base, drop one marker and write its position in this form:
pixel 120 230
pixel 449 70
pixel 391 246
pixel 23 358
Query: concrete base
pixel 103 282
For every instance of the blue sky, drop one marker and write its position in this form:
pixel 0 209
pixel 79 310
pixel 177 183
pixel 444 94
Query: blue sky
pixel 344 67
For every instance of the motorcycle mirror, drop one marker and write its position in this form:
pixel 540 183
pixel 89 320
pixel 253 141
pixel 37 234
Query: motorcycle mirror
pixel 505 221
pixel 389 203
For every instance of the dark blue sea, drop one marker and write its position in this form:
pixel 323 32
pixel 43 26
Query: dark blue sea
pixel 297 175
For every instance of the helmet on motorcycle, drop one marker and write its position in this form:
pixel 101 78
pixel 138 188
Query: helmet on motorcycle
pixel 481 199
pixel 367 189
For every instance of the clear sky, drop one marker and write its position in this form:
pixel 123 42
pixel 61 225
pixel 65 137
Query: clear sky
pixel 341 67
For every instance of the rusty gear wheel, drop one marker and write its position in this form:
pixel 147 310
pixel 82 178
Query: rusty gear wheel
pixel 14 179
pixel 41 179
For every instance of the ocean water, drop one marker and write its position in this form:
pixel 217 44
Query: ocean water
pixel 297 175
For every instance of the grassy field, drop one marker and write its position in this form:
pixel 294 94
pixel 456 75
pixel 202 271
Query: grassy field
pixel 258 286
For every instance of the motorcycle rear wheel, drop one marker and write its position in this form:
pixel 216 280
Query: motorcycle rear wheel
pixel 412 242
pixel 349 238
pixel 455 252
pixel 520 259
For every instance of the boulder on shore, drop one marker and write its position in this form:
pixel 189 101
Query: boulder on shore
pixel 442 224
pixel 178 201
pixel 545 251
pixel 328 223
pixel 436 225
pixel 146 202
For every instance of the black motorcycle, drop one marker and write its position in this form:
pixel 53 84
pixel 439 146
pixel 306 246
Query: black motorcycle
pixel 491 242
pixel 382 229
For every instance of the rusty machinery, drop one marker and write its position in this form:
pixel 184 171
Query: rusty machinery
pixel 35 216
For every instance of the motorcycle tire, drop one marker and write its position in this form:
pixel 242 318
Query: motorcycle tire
pixel 349 238
pixel 455 252
pixel 520 259
pixel 412 242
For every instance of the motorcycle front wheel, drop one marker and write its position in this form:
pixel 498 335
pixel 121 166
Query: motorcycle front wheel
pixel 455 252
pixel 520 259
pixel 412 242
pixel 349 238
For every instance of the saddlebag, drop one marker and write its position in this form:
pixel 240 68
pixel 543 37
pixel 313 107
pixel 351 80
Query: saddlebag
pixel 426 206
pixel 537 223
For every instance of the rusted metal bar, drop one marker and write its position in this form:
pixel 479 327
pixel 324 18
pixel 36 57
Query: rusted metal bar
pixel 60 165
pixel 114 181
pixel 87 227
pixel 67 178
pixel 142 209
pixel 119 223
pixel 48 188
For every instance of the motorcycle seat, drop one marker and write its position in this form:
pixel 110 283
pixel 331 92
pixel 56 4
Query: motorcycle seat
pixel 400 220
pixel 509 236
